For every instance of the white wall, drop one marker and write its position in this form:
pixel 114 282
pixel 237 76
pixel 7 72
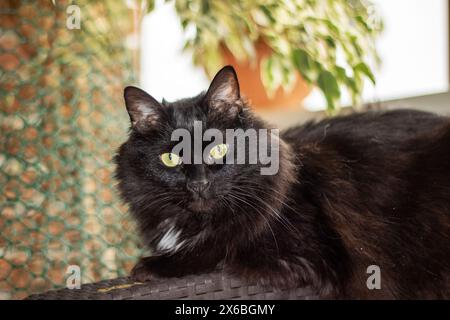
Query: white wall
pixel 414 50
pixel 166 70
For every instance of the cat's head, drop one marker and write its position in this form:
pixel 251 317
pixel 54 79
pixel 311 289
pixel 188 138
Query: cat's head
pixel 154 176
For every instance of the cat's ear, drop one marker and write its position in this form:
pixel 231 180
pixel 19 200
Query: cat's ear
pixel 223 93
pixel 144 111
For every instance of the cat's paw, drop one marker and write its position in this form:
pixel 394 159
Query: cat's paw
pixel 141 272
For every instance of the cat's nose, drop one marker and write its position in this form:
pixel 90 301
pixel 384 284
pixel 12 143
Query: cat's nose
pixel 199 186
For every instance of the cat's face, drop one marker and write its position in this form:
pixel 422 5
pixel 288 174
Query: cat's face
pixel 152 175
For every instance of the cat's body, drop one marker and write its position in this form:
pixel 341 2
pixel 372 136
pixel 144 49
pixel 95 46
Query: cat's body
pixel 351 192
pixel 381 183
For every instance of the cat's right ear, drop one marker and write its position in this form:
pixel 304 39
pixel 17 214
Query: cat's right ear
pixel 144 111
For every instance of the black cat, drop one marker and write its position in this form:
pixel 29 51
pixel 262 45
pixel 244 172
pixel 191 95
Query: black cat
pixel 369 189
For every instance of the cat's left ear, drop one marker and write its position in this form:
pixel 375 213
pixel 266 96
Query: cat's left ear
pixel 223 93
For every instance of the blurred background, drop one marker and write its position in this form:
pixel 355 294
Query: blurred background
pixel 64 64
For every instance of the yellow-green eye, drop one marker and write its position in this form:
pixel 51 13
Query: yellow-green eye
pixel 170 159
pixel 219 151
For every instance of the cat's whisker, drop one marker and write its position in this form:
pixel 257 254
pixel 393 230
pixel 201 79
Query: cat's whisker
pixel 256 188
pixel 287 224
pixel 281 197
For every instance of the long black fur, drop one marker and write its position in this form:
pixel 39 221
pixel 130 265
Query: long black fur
pixel 352 191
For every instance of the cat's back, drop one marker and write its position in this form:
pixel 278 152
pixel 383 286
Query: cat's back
pixel 405 145
pixel 388 127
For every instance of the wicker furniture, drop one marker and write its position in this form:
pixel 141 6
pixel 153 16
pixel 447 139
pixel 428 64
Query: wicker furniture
pixel 196 287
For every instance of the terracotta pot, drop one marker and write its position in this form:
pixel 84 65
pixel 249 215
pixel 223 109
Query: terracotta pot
pixel 253 89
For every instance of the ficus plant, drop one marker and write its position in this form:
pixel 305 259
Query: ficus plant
pixel 331 43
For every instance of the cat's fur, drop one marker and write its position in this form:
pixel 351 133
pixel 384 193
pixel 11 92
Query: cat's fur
pixel 352 191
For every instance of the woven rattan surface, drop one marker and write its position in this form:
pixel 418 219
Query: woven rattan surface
pixel 206 286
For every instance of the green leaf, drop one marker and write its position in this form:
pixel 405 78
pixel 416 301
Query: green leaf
pixel 327 82
pixel 205 5
pixel 271 74
pixel 343 77
pixel 150 5
pixel 364 69
pixel 330 42
pixel 330 88
pixel 302 63
pixel 266 73
pixel 267 13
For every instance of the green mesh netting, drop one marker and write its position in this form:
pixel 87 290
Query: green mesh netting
pixel 61 120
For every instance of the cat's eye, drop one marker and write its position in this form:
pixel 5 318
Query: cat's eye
pixel 170 159
pixel 219 151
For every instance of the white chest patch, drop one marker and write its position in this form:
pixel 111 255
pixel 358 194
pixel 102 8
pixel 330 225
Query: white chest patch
pixel 169 241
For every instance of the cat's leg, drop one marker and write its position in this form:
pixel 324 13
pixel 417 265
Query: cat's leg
pixel 149 268
pixel 144 269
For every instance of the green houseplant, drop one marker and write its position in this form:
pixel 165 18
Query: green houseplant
pixel 331 43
